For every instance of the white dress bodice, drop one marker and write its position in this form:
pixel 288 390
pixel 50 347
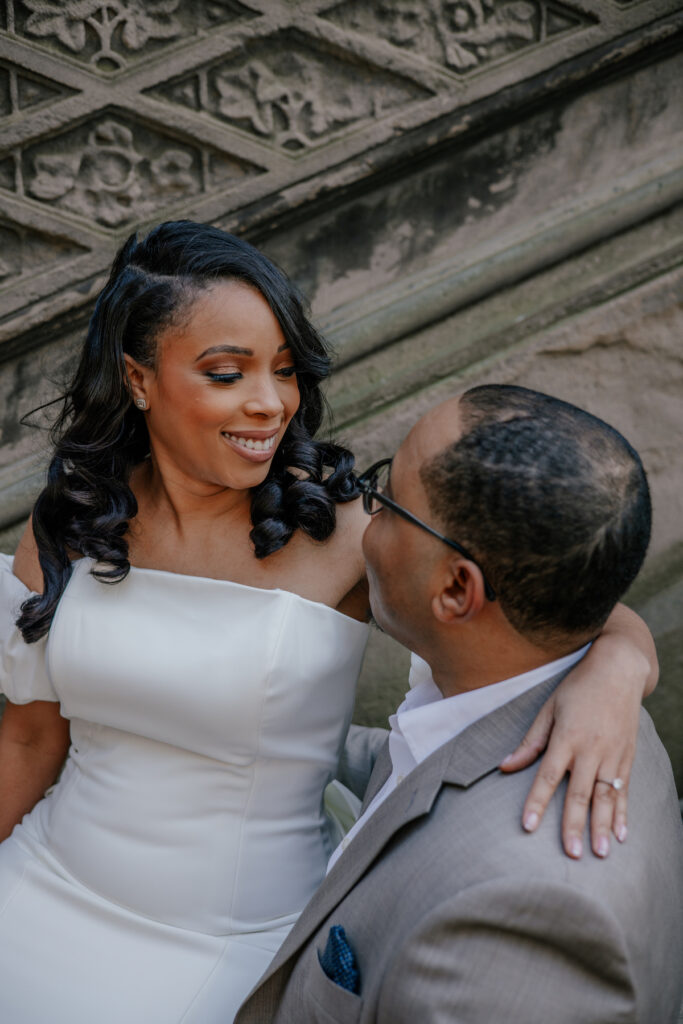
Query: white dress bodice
pixel 207 718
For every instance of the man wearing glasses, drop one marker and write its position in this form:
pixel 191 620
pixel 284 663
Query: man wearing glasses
pixel 441 909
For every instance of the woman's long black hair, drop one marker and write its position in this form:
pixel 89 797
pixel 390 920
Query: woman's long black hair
pixel 99 435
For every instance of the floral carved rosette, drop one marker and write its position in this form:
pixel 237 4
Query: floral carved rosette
pixel 473 32
pixel 294 92
pixel 110 180
pixel 105 28
pixel 290 110
pixel 463 35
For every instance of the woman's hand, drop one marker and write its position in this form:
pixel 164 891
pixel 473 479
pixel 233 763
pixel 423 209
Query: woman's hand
pixel 590 725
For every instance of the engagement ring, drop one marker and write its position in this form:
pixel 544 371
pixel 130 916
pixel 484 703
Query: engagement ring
pixel 614 783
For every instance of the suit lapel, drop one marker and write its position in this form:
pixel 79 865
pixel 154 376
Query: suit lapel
pixel 413 798
pixel 380 774
pixel 462 761
pixel 480 748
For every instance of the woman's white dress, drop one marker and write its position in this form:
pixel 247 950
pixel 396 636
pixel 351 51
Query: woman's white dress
pixel 155 881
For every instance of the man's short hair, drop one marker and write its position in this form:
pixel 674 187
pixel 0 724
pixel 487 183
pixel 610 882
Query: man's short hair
pixel 552 502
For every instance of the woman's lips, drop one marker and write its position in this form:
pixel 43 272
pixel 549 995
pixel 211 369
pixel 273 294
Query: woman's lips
pixel 256 447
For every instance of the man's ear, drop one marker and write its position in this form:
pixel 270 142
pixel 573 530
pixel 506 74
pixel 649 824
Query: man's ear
pixel 461 594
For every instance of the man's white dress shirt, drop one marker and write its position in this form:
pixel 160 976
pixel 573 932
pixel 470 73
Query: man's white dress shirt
pixel 426 720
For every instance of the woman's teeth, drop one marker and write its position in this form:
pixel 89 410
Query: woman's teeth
pixel 252 443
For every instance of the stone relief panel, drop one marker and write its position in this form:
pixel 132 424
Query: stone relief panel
pixel 288 90
pixel 108 36
pixel 292 77
pixel 20 90
pixel 114 170
pixel 23 251
pixel 463 35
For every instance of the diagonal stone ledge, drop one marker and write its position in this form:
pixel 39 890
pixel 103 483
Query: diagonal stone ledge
pixel 383 318
pixel 484 334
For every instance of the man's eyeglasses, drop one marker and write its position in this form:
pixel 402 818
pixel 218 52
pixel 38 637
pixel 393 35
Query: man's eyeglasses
pixel 372 484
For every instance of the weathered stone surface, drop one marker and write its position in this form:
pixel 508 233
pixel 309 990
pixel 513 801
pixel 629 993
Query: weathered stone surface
pixel 485 195
pixel 23 251
pixel 116 170
pixel 96 51
pixel 290 92
pixel 463 37
pixel 26 383
pixel 658 597
pixel 109 36
pixel 20 90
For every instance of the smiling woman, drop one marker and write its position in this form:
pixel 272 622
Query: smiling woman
pixel 203 698
pixel 213 339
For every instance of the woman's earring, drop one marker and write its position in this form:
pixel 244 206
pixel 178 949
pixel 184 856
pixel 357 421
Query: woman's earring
pixel 141 403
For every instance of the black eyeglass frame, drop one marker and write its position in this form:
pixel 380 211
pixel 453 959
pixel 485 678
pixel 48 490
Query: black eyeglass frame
pixel 369 492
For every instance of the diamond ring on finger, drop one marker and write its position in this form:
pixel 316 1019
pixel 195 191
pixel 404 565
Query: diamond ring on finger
pixel 615 784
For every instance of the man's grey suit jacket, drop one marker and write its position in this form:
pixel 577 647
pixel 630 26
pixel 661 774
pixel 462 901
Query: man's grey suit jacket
pixel 456 915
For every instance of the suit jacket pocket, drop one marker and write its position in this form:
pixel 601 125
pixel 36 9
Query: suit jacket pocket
pixel 327 1002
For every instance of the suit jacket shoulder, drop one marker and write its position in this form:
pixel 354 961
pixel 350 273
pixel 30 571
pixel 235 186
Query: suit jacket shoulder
pixel 456 914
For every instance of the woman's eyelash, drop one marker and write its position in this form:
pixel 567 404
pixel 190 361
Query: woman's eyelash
pixel 230 378
pixel 224 378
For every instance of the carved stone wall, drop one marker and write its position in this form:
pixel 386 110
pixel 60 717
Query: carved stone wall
pixel 468 190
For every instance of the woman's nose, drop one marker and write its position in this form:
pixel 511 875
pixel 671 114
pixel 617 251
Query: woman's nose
pixel 264 398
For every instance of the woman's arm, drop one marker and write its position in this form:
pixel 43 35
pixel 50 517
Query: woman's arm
pixel 34 738
pixel 590 725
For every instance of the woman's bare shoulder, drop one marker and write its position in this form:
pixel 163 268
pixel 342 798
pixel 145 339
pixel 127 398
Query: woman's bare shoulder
pixel 26 564
pixel 351 524
pixel 348 554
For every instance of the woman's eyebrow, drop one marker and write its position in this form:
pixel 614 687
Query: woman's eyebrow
pixel 234 350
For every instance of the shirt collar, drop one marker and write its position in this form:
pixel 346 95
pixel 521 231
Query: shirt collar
pixel 427 720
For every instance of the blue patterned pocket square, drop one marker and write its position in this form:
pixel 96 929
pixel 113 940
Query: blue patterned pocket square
pixel 339 961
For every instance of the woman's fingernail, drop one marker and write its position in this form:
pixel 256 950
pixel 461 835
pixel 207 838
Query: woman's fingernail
pixel 575 848
pixel 602 846
pixel 506 760
pixel 621 833
pixel 530 823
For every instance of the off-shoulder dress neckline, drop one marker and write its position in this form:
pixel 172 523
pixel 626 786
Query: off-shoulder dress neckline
pixel 239 586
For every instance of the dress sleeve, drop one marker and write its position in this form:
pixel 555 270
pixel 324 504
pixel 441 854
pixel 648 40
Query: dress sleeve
pixel 23 668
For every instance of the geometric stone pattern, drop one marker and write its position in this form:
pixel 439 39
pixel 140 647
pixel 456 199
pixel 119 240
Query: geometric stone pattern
pixel 108 36
pixel 117 114
pixel 23 251
pixel 462 36
pixel 289 91
pixel 19 90
pixel 115 170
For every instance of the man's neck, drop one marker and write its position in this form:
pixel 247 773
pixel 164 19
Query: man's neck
pixel 471 660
